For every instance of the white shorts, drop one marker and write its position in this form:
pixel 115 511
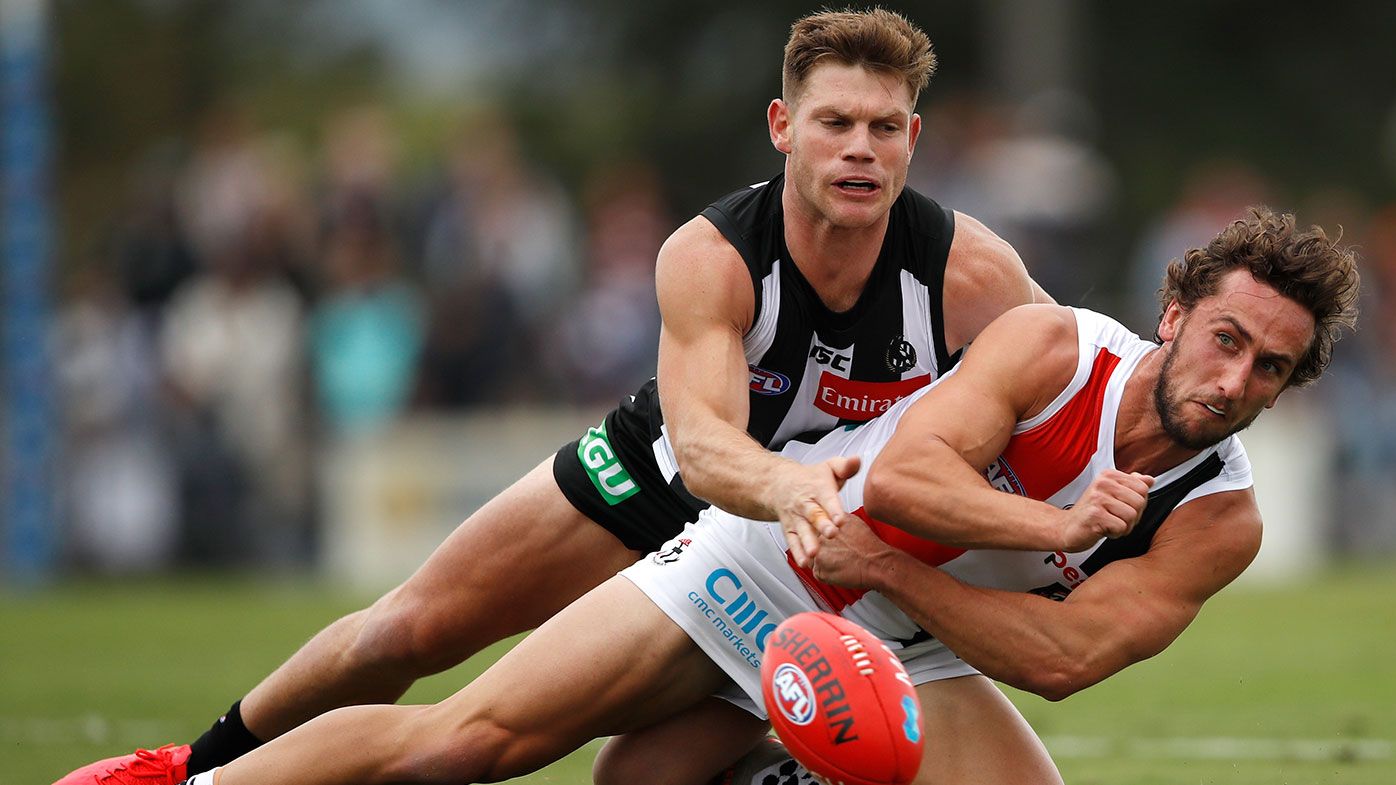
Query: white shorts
pixel 726 582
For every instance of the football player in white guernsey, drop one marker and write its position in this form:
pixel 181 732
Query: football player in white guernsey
pixel 847 126
pixel 1102 429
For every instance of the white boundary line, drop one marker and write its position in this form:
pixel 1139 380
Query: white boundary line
pixel 95 729
pixel 1221 748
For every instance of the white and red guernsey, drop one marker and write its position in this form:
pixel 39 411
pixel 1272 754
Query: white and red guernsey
pixel 1051 457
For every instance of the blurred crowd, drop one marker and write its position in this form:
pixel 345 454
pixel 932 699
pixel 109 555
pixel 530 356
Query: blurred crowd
pixel 254 299
pixel 252 302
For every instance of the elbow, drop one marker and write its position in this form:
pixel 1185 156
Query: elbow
pixel 690 467
pixel 1055 681
pixel 880 493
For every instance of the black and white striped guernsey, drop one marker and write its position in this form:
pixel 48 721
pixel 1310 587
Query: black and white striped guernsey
pixel 812 369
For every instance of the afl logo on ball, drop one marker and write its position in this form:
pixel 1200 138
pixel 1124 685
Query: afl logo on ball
pixel 764 382
pixel 901 355
pixel 793 694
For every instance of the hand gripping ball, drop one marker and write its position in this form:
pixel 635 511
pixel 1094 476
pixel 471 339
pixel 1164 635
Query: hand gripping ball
pixel 841 701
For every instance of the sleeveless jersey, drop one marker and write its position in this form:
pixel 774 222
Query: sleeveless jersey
pixel 1051 457
pixel 812 369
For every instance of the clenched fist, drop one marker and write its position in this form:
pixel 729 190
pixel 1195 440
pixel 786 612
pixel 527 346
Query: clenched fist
pixel 1110 507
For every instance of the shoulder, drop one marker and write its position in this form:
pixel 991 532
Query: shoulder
pixel 699 270
pixel 699 247
pixel 1032 349
pixel 984 277
pixel 1037 328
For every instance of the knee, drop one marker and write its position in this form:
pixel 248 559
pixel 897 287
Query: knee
pixel 624 761
pixel 446 749
pixel 401 634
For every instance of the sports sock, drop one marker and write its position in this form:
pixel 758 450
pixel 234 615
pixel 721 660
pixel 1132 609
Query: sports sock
pixel 226 741
pixel 203 778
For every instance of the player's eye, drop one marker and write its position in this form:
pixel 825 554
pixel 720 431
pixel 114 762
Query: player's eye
pixel 1226 340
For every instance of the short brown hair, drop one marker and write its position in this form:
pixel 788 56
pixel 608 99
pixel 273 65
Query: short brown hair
pixel 876 39
pixel 1305 266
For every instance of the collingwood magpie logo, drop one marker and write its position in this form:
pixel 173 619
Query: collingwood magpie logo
pixel 901 355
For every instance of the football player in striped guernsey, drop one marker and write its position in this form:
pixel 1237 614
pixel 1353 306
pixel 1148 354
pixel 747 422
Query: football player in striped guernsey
pixel 1128 505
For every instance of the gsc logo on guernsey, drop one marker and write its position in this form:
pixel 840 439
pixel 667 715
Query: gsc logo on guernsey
pixel 734 614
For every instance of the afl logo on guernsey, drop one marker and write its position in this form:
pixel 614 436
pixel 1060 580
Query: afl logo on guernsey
pixel 1001 476
pixel 764 382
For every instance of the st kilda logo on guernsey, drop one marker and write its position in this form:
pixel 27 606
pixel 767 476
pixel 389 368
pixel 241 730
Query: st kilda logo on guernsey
pixel 901 355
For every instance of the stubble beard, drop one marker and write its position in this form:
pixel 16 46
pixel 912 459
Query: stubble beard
pixel 1167 405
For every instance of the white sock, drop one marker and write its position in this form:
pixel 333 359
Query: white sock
pixel 204 778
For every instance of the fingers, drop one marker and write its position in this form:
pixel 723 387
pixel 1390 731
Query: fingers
pixel 845 467
pixel 802 535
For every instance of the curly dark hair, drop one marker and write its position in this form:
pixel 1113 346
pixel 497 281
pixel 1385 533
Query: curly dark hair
pixel 1305 266
pixel 876 39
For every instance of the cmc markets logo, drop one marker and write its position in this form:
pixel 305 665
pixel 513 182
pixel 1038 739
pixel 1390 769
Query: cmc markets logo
pixel 764 382
pixel 794 694
pixel 734 614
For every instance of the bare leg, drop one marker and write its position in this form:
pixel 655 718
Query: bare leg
pixel 609 663
pixel 690 748
pixel 974 734
pixel 515 562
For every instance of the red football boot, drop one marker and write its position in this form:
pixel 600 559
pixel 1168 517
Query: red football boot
pixel 164 766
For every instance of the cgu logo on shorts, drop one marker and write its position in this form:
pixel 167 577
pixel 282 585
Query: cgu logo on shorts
pixel 734 614
pixel 793 693
pixel 764 382
pixel 611 479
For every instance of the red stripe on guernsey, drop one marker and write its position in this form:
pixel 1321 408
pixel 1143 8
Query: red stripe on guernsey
pixel 854 400
pixel 838 597
pixel 1046 458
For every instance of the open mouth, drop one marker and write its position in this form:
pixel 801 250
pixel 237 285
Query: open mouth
pixel 854 185
pixel 1214 410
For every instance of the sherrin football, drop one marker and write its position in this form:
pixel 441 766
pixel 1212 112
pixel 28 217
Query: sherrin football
pixel 841 701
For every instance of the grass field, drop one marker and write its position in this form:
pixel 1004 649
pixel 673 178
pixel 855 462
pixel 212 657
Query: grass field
pixel 1269 686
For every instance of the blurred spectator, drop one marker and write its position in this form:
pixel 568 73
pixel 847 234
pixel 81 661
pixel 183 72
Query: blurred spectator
pixel 119 481
pixel 1034 178
pixel 1215 193
pixel 1362 392
pixel 607 338
pixel 152 252
pixel 232 346
pixel 366 331
pixel 500 257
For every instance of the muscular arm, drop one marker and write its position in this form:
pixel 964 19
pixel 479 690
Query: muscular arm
pixel 984 277
pixel 707 303
pixel 1127 612
pixel 928 479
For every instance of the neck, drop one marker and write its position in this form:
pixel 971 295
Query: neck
pixel 1141 445
pixel 836 260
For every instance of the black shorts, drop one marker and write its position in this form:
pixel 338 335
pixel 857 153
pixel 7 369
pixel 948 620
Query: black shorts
pixel 610 476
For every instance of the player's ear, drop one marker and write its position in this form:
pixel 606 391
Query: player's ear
pixel 913 131
pixel 1168 324
pixel 778 121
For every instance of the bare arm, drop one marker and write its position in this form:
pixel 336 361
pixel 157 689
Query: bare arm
pixel 929 480
pixel 707 302
pixel 984 277
pixel 1127 612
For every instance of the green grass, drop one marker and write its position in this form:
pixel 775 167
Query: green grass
pixel 1306 674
